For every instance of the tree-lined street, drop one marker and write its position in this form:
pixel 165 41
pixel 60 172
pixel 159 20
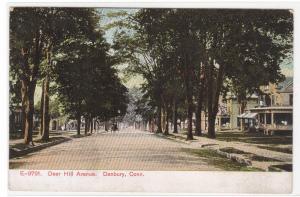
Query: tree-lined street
pixel 70 70
pixel 130 149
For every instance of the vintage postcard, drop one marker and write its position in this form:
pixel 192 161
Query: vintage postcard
pixel 150 99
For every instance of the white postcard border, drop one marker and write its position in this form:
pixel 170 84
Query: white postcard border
pixel 216 4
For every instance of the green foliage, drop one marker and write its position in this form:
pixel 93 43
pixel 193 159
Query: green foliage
pixel 167 47
pixel 238 51
pixel 55 109
pixel 149 54
pixel 73 53
pixel 51 26
pixel 87 83
pixel 14 93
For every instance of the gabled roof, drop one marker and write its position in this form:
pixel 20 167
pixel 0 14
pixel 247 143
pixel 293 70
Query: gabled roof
pixel 286 85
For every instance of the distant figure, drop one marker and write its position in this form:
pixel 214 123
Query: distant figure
pixel 114 127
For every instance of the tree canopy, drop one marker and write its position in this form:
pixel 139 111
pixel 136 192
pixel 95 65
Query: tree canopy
pixel 205 52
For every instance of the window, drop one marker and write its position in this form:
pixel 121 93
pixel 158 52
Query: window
pixel 268 117
pixel 267 100
pixel 283 118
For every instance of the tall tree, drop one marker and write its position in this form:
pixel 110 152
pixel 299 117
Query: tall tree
pixel 33 34
pixel 25 52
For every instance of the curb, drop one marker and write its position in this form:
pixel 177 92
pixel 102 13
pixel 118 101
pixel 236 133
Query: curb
pixel 236 158
pixel 275 168
pixel 17 153
pixel 231 156
pixel 170 138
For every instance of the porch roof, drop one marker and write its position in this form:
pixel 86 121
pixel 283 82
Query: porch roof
pixel 273 109
pixel 247 115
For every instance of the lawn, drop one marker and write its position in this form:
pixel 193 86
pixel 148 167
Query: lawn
pixel 254 138
pixel 288 150
pixel 220 161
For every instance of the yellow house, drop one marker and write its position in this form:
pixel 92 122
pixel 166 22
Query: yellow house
pixel 275 111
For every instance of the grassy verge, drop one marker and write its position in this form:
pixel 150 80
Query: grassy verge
pixel 220 161
pixel 277 149
pixel 262 158
pixel 254 138
pixel 177 137
pixel 233 150
pixel 37 142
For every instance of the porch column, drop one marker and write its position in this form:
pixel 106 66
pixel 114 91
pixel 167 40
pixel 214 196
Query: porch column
pixel 57 124
pixel 242 124
pixel 265 119
pixel 272 119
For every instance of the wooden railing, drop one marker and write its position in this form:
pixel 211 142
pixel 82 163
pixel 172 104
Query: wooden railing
pixel 278 127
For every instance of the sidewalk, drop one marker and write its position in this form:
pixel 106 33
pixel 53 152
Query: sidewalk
pixel 247 153
pixel 17 147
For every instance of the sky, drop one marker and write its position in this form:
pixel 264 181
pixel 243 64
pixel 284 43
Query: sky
pixel 104 20
pixel 136 80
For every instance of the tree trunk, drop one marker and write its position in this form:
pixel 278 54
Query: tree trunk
pixel 23 121
pixel 30 112
pixel 198 114
pixel 92 124
pixel 86 126
pixel 46 115
pixel 46 84
pixel 189 97
pixel 151 125
pixel 24 106
pixel 42 110
pixel 175 130
pixel 198 131
pixel 105 126
pixel 159 129
pixel 27 92
pixel 78 117
pixel 190 118
pixel 211 117
pixel 78 122
pixel 189 93
pixel 198 128
pixel 25 98
pixel 28 125
pixel 97 125
pixel 166 122
pixel 12 121
pixel 215 104
pixel 180 124
pixel 28 81
pixel 211 124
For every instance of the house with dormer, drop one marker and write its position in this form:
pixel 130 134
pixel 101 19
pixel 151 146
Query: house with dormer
pixel 275 110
